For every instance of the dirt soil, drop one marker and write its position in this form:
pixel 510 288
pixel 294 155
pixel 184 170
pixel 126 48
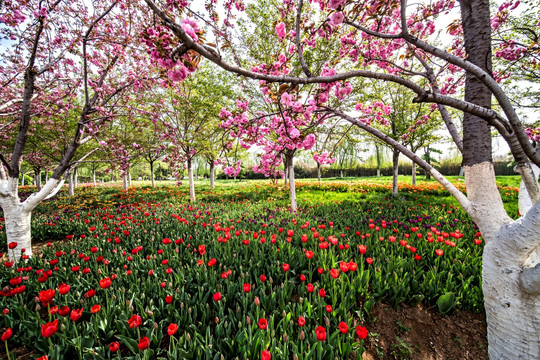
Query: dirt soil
pixel 422 333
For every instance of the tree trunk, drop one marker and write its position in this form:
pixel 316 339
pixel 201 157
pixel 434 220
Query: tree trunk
pixel 152 174
pixel 46 176
pixel 319 173
pixel 17 223
pixel 286 171
pixel 378 172
pixel 75 178
pixel 212 174
pixel 94 177
pixel 511 301
pixel 129 178
pixel 413 174
pixel 191 183
pixel 22 181
pixel 395 172
pixel 124 182
pixel 292 187
pixel 71 183
pixel 341 173
pixel 38 179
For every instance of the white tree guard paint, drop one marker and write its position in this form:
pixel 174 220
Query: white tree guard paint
pixel 191 183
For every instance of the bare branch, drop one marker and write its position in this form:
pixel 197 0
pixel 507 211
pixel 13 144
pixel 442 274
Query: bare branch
pixel 460 197
pixel 297 39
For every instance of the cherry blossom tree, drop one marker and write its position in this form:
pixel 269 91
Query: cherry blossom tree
pixel 60 54
pixel 380 40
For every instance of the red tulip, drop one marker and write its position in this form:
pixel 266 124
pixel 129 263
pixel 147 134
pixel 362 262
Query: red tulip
pixel 105 283
pixel 7 334
pixel 135 321
pixel 144 343
pixel 263 324
pixel 95 309
pixel 172 329
pixel 217 296
pixel 321 333
pixel 76 314
pixel 439 252
pixel 64 311
pixel 285 267
pixel 247 288
pixel 266 355
pixel 63 289
pixel 301 321
pixel 361 332
pixel 362 249
pixel 12 245
pixel 310 287
pixel 168 299
pixel 49 329
pixel 46 296
pixel 322 293
pixel 334 273
pixel 343 327
pixel 114 346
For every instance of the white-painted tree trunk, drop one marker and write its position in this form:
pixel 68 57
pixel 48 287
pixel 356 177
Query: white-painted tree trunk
pixel 71 184
pixel 22 181
pixel 341 173
pixel 212 175
pixel 285 172
pixel 524 200
pixel 510 270
pixel 319 173
pixel 129 178
pixel 75 178
pixel 94 177
pixel 17 215
pixel 191 182
pixel 152 174
pixel 124 182
pixel 378 172
pixel 413 174
pixel 292 185
pixel 17 222
pixel 395 173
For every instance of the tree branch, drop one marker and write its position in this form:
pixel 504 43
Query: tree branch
pixel 460 197
pixel 297 39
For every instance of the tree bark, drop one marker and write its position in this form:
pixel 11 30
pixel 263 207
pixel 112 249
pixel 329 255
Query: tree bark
pixel 477 38
pixel 71 185
pixel 395 172
pixel 319 173
pixel 17 222
pixel 292 185
pixel 38 179
pixel 94 177
pixel 129 178
pixel 124 182
pixel 286 171
pixel 22 181
pixel 212 175
pixel 413 174
pixel 75 178
pixel 152 174
pixel 191 183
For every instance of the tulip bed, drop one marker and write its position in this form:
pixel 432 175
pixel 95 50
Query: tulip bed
pixel 144 274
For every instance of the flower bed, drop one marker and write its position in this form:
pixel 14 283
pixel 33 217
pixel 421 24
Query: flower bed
pixel 145 275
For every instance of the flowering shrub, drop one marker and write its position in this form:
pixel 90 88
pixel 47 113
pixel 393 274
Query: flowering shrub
pixel 141 273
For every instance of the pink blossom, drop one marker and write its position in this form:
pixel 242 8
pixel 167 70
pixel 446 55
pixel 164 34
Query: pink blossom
pixel 280 30
pixel 294 133
pixel 309 141
pixel 286 99
pixel 190 27
pixel 334 4
pixel 336 18
pixel 178 74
